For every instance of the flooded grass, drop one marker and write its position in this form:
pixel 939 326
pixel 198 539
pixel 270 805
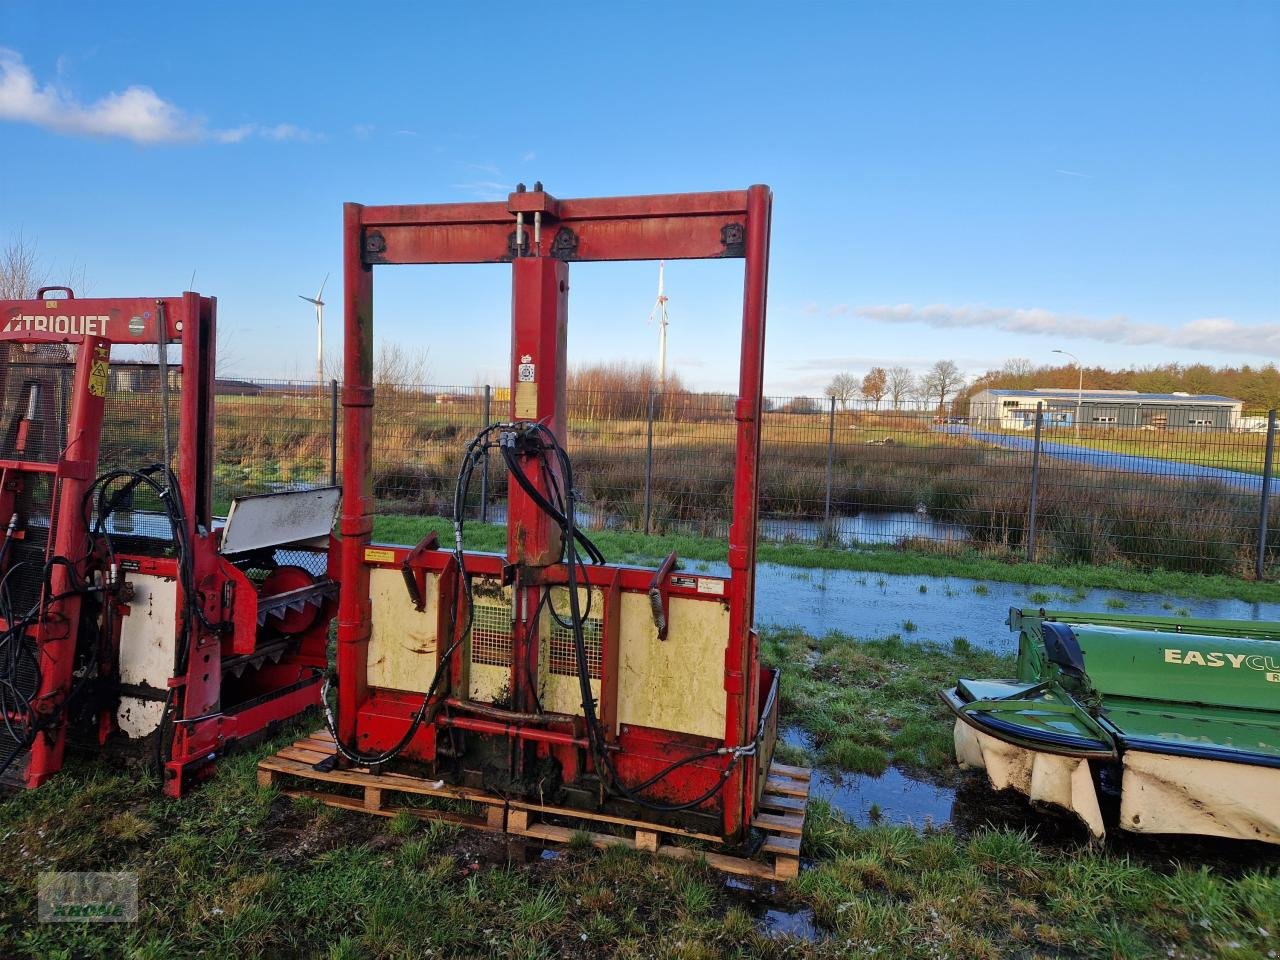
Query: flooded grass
pixel 632 547
pixel 239 870
pixel 866 705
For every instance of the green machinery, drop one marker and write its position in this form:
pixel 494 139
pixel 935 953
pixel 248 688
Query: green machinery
pixel 1179 717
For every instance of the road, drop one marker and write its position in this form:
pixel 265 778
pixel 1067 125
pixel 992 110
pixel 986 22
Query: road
pixel 1110 460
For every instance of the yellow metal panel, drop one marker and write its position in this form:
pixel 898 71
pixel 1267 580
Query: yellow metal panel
pixel 678 683
pixel 558 687
pixel 527 400
pixel 402 643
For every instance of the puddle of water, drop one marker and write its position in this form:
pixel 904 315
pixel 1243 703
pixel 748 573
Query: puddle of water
pixel 892 798
pixel 873 605
pixel 789 923
pixel 879 528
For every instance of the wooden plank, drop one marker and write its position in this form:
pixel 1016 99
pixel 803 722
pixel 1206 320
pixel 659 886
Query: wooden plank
pixel 357 804
pixel 777 823
pixel 496 818
pixel 303 756
pixel 739 866
pixel 771 801
pixel 787 787
pixel 265 777
pixel 606 818
pixel 795 773
pixel 547 831
pixel 372 798
pixel 787 846
pixel 321 746
pixel 647 840
pixel 786 868
pixel 389 781
pixel 322 734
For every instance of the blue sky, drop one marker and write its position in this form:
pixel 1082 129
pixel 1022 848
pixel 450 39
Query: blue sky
pixel 963 181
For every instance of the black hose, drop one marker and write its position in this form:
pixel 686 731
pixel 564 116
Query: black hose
pixel 565 516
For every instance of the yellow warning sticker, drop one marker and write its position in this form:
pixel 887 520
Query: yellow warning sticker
pixel 98 377
pixel 375 555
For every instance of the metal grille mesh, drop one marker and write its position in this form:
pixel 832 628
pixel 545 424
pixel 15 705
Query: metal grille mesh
pixel 564 660
pixel 36 396
pixel 491 635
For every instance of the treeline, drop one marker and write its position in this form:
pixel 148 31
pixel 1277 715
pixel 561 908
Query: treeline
pixel 621 391
pixel 1258 387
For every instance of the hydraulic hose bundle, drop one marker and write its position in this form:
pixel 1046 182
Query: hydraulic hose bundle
pixel 562 510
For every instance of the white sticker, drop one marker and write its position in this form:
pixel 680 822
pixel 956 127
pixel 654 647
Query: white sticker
pixel 525 372
pixel 707 585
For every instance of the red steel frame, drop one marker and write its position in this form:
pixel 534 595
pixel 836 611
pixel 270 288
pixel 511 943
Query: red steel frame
pixel 540 235
pixel 204 730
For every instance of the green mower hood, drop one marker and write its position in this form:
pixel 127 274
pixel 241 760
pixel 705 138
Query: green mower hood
pixel 1094 685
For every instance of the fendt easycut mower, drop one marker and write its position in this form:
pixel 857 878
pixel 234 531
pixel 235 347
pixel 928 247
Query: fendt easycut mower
pixel 1162 725
pixel 129 619
pixel 545 687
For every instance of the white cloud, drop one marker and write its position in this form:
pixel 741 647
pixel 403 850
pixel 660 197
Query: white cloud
pixel 485 189
pixel 136 113
pixel 1211 333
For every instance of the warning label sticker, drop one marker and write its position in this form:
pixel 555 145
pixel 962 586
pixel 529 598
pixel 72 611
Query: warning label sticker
pixel 377 555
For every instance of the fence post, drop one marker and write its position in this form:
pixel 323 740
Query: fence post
pixel 1264 509
pixel 333 433
pixel 1035 487
pixel 648 468
pixel 831 447
pixel 486 419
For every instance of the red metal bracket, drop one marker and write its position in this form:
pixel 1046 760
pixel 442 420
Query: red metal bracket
pixel 416 580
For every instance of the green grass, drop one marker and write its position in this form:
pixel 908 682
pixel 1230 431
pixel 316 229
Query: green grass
pixel 235 870
pixel 868 704
pixel 630 547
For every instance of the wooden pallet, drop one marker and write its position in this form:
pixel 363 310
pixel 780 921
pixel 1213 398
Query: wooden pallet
pixel 299 761
pixel 781 816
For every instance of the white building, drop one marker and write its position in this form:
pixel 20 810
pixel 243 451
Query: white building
pixel 1016 409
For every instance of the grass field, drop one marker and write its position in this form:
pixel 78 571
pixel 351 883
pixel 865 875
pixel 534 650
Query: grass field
pixel 235 870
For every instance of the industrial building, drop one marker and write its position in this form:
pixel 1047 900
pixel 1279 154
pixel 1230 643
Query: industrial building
pixel 1016 409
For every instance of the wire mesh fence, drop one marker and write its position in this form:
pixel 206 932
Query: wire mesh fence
pixel 841 474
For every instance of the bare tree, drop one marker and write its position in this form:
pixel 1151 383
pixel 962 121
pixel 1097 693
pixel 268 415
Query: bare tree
pixel 395 365
pixel 21 272
pixel 842 388
pixel 942 379
pixel 874 385
pixel 1017 368
pixel 902 384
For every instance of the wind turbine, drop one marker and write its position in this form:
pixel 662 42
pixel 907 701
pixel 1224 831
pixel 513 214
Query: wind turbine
pixel 659 312
pixel 318 302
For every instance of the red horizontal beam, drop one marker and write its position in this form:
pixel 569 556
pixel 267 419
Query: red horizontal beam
pixel 69 320
pixel 664 226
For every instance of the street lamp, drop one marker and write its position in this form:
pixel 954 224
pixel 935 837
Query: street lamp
pixel 1079 386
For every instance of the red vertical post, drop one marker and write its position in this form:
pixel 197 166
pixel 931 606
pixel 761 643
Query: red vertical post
pixel 56 634
pixel 539 330
pixel 357 474
pixel 539 323
pixel 739 686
